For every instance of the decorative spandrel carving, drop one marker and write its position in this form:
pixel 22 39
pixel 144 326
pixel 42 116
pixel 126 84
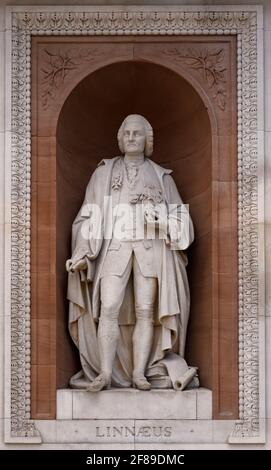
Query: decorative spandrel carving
pixel 211 66
pixel 58 65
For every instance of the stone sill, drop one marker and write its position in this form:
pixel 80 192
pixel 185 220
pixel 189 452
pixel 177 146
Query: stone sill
pixel 134 404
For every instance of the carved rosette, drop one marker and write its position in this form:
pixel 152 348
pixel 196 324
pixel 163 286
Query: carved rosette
pixel 120 22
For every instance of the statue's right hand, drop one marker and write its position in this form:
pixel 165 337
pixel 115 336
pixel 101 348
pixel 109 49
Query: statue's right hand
pixel 78 265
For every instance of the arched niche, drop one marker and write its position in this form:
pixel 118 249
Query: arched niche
pixel 191 137
pixel 87 132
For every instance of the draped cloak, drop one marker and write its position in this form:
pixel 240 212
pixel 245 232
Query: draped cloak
pixel 173 299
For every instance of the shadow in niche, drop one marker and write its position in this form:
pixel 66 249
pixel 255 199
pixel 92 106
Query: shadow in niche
pixel 86 133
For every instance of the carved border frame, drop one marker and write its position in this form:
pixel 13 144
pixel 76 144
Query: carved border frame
pixel 243 21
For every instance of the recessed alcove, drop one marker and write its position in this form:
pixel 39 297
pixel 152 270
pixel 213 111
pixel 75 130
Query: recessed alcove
pixel 190 137
pixel 86 132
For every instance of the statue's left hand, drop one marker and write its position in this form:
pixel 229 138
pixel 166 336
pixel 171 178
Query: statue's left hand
pixel 77 266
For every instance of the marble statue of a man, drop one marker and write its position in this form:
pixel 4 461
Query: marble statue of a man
pixel 127 286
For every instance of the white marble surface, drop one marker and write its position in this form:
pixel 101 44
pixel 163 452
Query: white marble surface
pixel 218 440
pixel 2 17
pixel 262 373
pixel 204 404
pixel 47 429
pixel 268 217
pixel 64 404
pixel 154 433
pixel 221 430
pixel 1 362
pixel 7 81
pixel 2 215
pixel 2 79
pixel 94 431
pixel 267 83
pixel 134 404
pixel 268 370
pixel 127 431
pixel 267 75
pixel 177 431
pixel 81 5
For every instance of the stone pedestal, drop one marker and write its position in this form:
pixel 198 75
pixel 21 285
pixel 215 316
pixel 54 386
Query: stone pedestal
pixel 131 417
pixel 131 404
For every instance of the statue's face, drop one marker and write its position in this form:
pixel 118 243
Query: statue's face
pixel 134 137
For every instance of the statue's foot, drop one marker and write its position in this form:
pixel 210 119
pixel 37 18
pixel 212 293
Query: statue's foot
pixel 141 383
pixel 101 382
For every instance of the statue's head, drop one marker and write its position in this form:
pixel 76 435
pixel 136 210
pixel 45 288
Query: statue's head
pixel 135 127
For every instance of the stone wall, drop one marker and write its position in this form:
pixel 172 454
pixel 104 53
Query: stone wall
pixel 217 432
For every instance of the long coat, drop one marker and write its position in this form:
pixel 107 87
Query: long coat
pixel 173 300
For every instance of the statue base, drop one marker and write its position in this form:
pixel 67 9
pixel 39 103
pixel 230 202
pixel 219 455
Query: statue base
pixel 130 419
pixel 128 403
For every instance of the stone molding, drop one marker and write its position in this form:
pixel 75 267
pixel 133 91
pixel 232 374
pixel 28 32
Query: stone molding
pixel 245 23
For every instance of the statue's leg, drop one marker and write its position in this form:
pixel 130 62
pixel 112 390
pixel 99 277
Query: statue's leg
pixel 112 295
pixel 145 289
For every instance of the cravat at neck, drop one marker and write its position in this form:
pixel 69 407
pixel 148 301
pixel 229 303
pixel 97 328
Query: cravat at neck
pixel 134 160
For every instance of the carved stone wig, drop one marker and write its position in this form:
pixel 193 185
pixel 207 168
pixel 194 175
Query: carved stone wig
pixel 148 130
